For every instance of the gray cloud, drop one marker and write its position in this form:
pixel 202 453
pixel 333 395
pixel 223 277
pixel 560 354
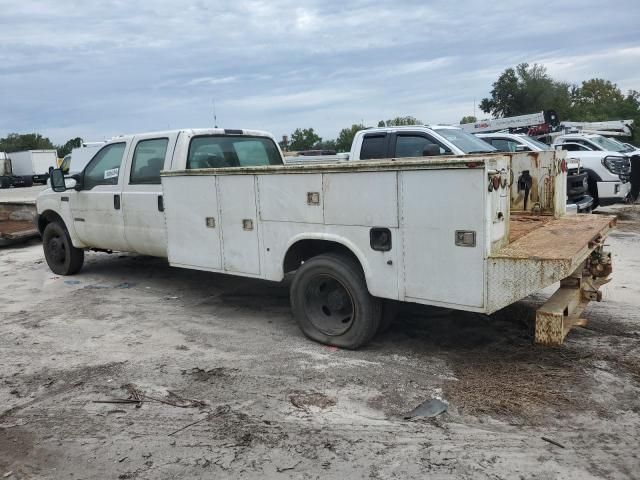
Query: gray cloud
pixel 96 69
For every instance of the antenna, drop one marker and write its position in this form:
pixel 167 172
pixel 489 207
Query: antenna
pixel 215 118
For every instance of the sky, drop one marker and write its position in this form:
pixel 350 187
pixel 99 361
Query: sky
pixel 96 69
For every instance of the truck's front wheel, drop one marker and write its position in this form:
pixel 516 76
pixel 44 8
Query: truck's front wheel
pixel 331 303
pixel 62 257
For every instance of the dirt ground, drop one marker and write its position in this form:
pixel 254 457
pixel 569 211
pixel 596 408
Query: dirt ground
pixel 220 383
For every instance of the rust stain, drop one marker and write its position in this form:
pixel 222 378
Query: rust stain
pixel 11 227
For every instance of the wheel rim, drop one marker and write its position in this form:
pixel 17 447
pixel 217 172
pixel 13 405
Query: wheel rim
pixel 329 305
pixel 56 249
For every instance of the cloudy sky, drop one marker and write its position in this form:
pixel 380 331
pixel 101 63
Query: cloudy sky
pixel 101 68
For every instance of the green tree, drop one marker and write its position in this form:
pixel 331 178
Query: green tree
pixel 598 99
pixel 303 139
pixel 345 137
pixel 527 89
pixel 64 150
pixel 16 142
pixel 400 122
pixel 468 119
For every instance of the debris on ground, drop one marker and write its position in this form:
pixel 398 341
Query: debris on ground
pixel 303 400
pixel 430 408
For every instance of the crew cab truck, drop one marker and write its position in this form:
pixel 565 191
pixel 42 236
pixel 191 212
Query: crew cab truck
pixel 606 161
pixel 578 200
pixel 447 230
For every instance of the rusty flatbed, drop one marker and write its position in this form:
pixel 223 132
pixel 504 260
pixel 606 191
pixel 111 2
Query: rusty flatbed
pixel 555 238
pixel 12 231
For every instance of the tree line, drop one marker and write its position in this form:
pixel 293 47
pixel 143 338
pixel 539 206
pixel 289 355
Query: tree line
pixel 519 90
pixel 16 142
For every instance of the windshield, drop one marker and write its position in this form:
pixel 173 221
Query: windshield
pixel 609 144
pixel 465 141
pixel 537 143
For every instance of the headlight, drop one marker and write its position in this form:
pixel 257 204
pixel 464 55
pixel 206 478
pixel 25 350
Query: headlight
pixel 618 165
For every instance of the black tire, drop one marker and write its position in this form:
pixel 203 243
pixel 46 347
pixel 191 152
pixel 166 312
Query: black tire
pixel 5 182
pixel 28 181
pixel 592 187
pixel 62 257
pixel 331 303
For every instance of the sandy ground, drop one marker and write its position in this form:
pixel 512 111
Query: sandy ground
pixel 232 389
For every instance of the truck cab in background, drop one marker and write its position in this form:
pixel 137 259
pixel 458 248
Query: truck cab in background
pixel 578 199
pixel 606 161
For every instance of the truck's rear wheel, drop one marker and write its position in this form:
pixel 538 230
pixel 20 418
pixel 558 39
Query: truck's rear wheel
pixel 62 257
pixel 5 182
pixel 331 303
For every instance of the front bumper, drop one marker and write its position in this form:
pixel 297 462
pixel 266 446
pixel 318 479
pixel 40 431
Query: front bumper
pixel 613 192
pixel 584 205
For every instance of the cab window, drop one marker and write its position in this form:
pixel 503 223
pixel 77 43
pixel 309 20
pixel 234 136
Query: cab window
pixel 148 160
pixel 374 146
pixel 414 145
pixel 104 167
pixel 217 151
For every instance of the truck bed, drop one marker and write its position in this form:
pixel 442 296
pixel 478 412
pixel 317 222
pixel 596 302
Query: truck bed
pixel 548 238
pixel 541 252
pixel 12 231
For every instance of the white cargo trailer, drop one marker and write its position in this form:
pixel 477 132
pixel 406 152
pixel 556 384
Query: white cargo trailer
pixel 34 164
pixel 475 232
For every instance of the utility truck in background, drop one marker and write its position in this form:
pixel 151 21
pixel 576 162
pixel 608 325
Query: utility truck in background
pixel 473 232
pixel 606 161
pixel 33 165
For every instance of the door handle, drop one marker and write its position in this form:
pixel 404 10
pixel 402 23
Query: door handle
pixel 116 202
pixel 160 204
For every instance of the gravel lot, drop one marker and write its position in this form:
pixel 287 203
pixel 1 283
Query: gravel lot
pixel 230 388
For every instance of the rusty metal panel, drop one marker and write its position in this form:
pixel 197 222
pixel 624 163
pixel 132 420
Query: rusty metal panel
pixel 539 183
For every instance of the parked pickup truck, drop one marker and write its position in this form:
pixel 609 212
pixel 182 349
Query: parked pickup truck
pixel 578 199
pixel 607 163
pixel 447 230
pixel 423 140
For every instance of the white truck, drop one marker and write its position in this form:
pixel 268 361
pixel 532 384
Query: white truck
pixel 33 165
pixel 449 231
pixel 7 178
pixel 606 161
pixel 578 199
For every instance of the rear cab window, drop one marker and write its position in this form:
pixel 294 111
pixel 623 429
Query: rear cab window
pixel 222 151
pixel 148 160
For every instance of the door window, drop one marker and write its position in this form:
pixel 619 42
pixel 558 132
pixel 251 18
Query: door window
pixel 234 151
pixel 104 167
pixel 374 146
pixel 148 160
pixel 414 145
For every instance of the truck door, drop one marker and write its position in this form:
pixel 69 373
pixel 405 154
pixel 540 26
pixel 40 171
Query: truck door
pixel 97 208
pixel 142 200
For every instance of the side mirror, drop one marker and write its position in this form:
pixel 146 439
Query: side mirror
pixel 58 183
pixel 431 150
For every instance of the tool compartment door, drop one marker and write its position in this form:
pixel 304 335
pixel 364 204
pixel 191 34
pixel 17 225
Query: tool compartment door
pixel 239 221
pixel 434 205
pixel 193 230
